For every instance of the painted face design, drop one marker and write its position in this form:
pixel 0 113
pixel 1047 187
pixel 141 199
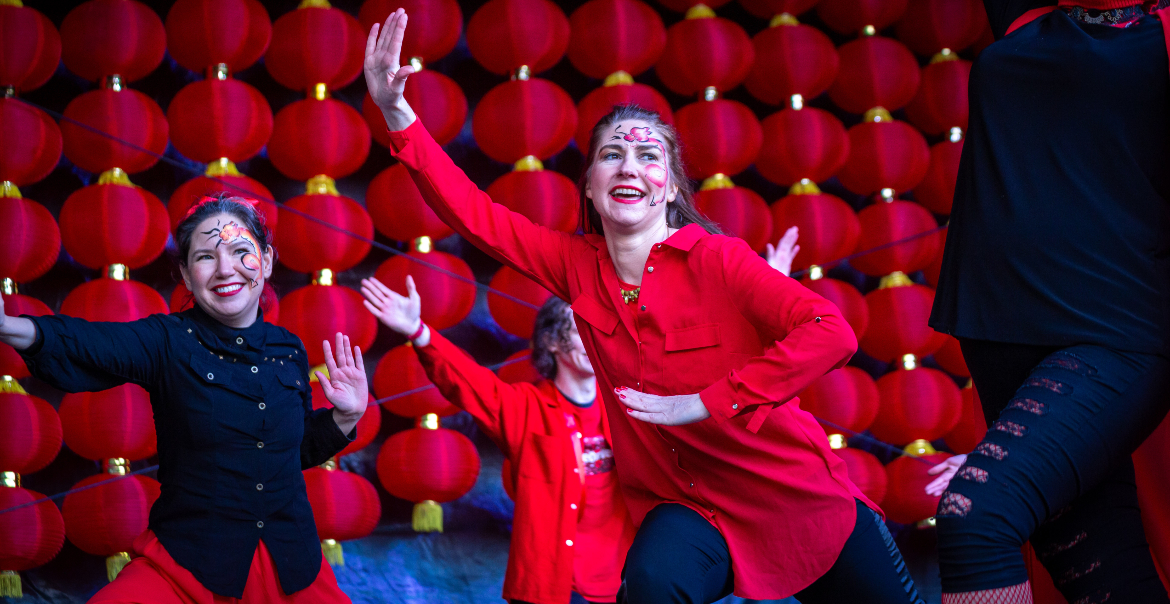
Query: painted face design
pixel 229 234
pixel 655 173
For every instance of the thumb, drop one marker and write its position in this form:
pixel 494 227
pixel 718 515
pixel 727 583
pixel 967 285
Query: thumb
pixel 411 290
pixel 938 469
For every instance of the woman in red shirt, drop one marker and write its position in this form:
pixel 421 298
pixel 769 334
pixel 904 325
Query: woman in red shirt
pixel 700 348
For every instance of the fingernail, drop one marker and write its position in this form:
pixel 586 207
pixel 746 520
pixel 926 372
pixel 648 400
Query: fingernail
pixel 621 396
pixel 629 410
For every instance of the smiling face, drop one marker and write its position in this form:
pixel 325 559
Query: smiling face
pixel 629 179
pixel 226 271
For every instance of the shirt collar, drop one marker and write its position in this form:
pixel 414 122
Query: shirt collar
pixel 253 335
pixel 683 239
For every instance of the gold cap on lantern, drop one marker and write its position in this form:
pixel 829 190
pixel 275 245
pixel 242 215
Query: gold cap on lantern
pixel 221 167
pixel 323 277
pixel 10 480
pixel 700 11
pixel 710 93
pixel 8 287
pixel 9 189
pixel 815 272
pixel 417 64
pixel 796 102
pixel 115 176
pixel 429 421
pixel 330 464
pixel 804 187
pixel 919 448
pixel 321 185
pixel 909 362
pixel 945 54
pixel 783 19
pixel 315 4
pixel 319 91
pixel 837 441
pixel 618 78
pixel 10 90
pixel 423 244
pixel 718 181
pixel 956 134
pixel 895 279
pixel 869 30
pixel 118 466
pixel 219 71
pixel 887 194
pixel 114 82
pixel 878 114
pixel 313 372
pixel 118 272
pixel 528 163
pixel 522 73
pixel 9 385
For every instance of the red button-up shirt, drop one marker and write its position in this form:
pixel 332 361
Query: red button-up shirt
pixel 712 318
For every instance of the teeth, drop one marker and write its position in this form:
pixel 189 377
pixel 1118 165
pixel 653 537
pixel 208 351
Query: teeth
pixel 228 288
pixel 628 191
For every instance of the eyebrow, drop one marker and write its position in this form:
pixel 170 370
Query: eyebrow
pixel 642 147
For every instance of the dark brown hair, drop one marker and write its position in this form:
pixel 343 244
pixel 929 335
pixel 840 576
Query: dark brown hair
pixel 682 210
pixel 553 323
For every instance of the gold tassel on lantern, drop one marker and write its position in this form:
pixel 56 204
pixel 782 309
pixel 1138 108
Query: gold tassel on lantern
pixel 427 517
pixel 9 189
pixel 331 549
pixel 115 564
pixel 10 584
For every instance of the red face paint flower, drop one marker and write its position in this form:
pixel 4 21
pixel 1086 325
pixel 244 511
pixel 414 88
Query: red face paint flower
pixel 638 133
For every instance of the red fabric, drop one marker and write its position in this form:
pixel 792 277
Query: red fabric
pixel 32 141
pixel 506 34
pixel 398 372
pixel 345 505
pixel 545 197
pixel 113 224
pixel 1152 465
pixel 367 427
pixel 847 397
pixel 316 313
pixel 438 101
pixel 111 300
pixel 682 5
pixel 884 154
pixel 828 227
pixel 932 25
pixel 420 464
pixel 885 223
pixel 524 117
pixel 29 48
pixel 770 8
pixel 906 499
pixel 791 59
pixel 846 297
pixel 129 116
pixel 29 241
pixel 705 290
pixel 598 103
pixel 950 358
pixel 316 45
pixel 1040 584
pixel 937 190
pixel 552 507
pixel 510 316
pixel 30 434
pixel 105 519
pixel 398 210
pixel 30 536
pixel 118 422
pixel 917 403
pixel 740 212
pixel 1096 4
pixel 449 300
pixel 722 136
pixel 88 49
pixel 16 305
pixel 850 16
pixel 212 118
pixel 203 33
pixel 205 186
pixel 898 327
pixel 519 368
pixel 941 102
pixel 808 143
pixel 866 472
pixel 1164 17
pixel 971 428
pixel 308 246
pixel 1029 17
pixel 153 576
pixel 434 28
pixel 312 137
pixel 615 35
pixel 705 52
pixel 875 71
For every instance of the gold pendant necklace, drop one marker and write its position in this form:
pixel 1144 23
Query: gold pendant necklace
pixel 630 295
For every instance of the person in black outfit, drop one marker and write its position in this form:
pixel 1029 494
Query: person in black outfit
pixel 1056 280
pixel 234 417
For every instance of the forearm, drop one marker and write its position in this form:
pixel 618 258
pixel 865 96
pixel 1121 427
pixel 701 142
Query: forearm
pixel 18 332
pixel 346 422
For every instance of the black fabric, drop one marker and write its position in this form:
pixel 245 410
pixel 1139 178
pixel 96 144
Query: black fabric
pixel 207 383
pixel 1055 469
pixel 678 557
pixel 1060 233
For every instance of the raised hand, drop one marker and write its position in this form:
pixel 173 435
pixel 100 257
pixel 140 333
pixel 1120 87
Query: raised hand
pixel 780 257
pixel 345 386
pixel 947 470
pixel 398 312
pixel 664 410
pixel 385 75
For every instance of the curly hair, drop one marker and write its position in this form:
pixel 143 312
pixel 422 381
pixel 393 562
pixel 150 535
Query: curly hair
pixel 553 323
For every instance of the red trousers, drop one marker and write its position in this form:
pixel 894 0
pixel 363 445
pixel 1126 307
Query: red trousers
pixel 153 577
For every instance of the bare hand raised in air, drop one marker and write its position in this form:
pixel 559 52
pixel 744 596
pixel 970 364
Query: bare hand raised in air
pixel 385 75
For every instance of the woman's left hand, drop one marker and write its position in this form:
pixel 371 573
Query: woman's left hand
pixel 664 410
pixel 345 386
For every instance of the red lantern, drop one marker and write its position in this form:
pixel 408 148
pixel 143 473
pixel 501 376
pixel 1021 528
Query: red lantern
pixel 113 224
pixel 937 190
pixel 682 6
pixel 524 117
pixel 181 299
pixel 916 403
pixel 434 28
pixel 906 499
pixel 401 378
pixel 437 101
pixel 828 227
pixel 615 35
pixel 398 210
pixel 218 181
pixel 106 37
pixel 802 144
pixel 113 300
pixel 428 465
pixel 845 397
pixel 931 272
pixel 313 45
pixel 312 137
pixel 545 197
pixel 32 141
pixel 216 118
pixel 204 33
pixel 29 242
pixel 875 72
pixel 345 505
pixel 367 427
pixel 29 48
pixel 740 212
pixel 449 299
pixel 307 246
pixel 791 58
pixel 845 297
pixel 971 428
pixel 883 224
pixel 897 327
pixel 1151 465
pixel 929 26
pixel 866 472
pixel 504 35
pixel 316 313
pixel 30 434
pixel 941 101
pixel 719 137
pixel 766 9
pixel 11 364
pixel 29 536
pixel 854 16
pixel 511 316
pixel 703 51
pixel 118 422
pixel 104 520
pixel 127 115
pixel 518 368
pixel 601 101
pixel 950 358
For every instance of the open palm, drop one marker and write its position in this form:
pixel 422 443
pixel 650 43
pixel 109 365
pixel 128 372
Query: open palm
pixel 345 386
pixel 398 312
pixel 385 75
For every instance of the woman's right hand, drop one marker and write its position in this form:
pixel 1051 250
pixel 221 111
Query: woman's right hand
pixel 385 76
pixel 403 314
pixel 17 332
pixel 947 470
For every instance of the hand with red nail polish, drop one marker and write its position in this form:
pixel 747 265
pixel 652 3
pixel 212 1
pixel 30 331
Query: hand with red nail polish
pixel 663 410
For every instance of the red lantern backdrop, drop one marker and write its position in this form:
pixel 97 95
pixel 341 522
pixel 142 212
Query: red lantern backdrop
pixel 615 35
pixel 545 197
pixel 437 100
pixel 29 48
pixel 204 33
pixel 874 72
pixel 1152 464
pixel 313 46
pixel 704 50
pixel 11 364
pixel 106 37
pixel 920 403
pixel 428 466
pixel 767 9
pixel 104 520
pixel 740 212
pixel 315 313
pixel 828 227
pixel 113 300
pixel 308 246
pixel 941 102
pixel 118 422
pixel 32 140
pixel 213 183
pixel 950 358
pixel 29 536
pixel 29 241
pixel 400 372
pixel 598 103
pixel 929 26
pixel 937 190
pixel 845 297
pixel 511 316
pixel 884 154
pixel 971 428
pixel 434 28
pixel 518 368
pixel 798 144
pixel 852 16
pixel 866 472
pixel 216 118
pixel 791 58
pixel 127 115
pixel 931 272
pixel 448 299
pixel 30 434
pixel 398 210
pixel 846 397
pixel 906 499
pixel 898 317
pixel 503 35
pixel 367 427
pixel 345 505
pixel 719 136
pixel 312 137
pixel 882 224
pixel 524 117
pixel 113 224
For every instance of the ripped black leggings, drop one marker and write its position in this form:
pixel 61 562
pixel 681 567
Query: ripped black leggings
pixel 1055 469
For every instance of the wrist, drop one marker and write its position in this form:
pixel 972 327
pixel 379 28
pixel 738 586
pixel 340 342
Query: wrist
pixel 417 332
pixel 398 116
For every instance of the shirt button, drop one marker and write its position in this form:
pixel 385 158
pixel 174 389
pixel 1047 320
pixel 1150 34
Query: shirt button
pixel 569 542
pixel 572 506
pixel 260 524
pixel 239 340
pixel 643 307
pixel 255 369
pixel 298 382
pixel 735 406
pixel 692 485
pixel 818 319
pixel 262 406
pixel 576 471
pixel 650 269
pixel 259 487
pixel 211 376
pixel 260 445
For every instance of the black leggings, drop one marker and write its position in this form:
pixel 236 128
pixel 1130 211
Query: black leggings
pixel 1055 469
pixel 678 557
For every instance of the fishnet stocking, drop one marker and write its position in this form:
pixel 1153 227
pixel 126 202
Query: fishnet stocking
pixel 1016 594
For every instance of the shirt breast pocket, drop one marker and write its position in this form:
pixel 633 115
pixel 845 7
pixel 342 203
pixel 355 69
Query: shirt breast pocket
pixel 542 458
pixel 202 410
pixel 695 358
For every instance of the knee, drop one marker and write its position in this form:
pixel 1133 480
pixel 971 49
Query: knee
pixel 969 513
pixel 647 580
